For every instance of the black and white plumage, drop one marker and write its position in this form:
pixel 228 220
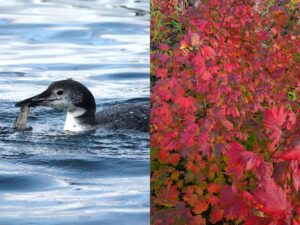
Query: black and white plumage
pixel 74 98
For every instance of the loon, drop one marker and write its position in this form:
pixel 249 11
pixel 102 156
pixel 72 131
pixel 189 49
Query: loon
pixel 74 98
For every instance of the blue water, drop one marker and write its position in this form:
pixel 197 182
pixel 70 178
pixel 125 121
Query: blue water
pixel 48 177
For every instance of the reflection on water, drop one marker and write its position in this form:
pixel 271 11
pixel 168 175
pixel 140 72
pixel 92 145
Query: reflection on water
pixel 47 176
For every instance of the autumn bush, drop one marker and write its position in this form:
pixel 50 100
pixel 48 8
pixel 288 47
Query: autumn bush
pixel 225 122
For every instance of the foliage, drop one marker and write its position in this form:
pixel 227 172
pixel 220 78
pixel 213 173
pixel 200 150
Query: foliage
pixel 225 123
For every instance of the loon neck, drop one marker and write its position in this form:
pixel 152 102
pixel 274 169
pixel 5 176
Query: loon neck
pixel 79 121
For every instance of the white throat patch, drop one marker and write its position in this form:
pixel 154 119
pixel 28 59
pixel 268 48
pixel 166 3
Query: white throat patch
pixel 73 124
pixel 77 111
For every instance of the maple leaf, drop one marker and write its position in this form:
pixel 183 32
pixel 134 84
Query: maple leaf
pixel 274 136
pixel 173 158
pixel 164 58
pixel 240 160
pixel 256 220
pixel 163 155
pixel 264 170
pixel 216 215
pixel 280 16
pixel 161 72
pixel 199 60
pixel 206 76
pixel 197 220
pixel 186 103
pixel 192 195
pixel 271 197
pixel 213 188
pixel 294 169
pixel 292 153
pixel 169 196
pixel 294 222
pixel 233 111
pixel 213 200
pixel 208 51
pixel 229 67
pixel 291 120
pixel 164 47
pixel 281 170
pixel 233 204
pixel 274 119
pixel 187 136
pixel 199 23
pixel 227 124
pixel 200 207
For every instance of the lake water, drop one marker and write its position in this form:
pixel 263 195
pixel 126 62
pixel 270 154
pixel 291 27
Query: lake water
pixel 46 176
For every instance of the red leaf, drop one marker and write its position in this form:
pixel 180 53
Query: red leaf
pixel 213 188
pixel 164 47
pixel 187 137
pixel 186 103
pixel 201 24
pixel 174 158
pixel 275 137
pixel 169 196
pixel 206 76
pixel 275 117
pixel 199 60
pixel 229 67
pixel 255 220
pixel 197 220
pixel 296 179
pixel 240 160
pixel 234 205
pixel 213 200
pixel 216 215
pixel 173 193
pixel 291 120
pixel 163 155
pixel 271 197
pixel 227 124
pixel 200 207
pixel 208 51
pixel 164 58
pixel 161 73
pixel 291 154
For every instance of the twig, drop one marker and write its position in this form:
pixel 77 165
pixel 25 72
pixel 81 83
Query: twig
pixel 227 12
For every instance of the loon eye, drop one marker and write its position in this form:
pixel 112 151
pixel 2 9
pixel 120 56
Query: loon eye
pixel 59 92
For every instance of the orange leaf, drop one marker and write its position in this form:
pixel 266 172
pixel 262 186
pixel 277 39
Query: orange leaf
pixel 200 207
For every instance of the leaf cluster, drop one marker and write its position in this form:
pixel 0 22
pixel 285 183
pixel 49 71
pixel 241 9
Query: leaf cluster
pixel 225 124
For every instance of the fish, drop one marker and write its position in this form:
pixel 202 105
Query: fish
pixel 20 123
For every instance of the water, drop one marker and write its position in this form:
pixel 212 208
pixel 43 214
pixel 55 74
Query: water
pixel 49 177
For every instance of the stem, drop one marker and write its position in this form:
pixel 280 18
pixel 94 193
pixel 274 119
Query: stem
pixel 273 154
pixel 227 12
pixel 284 141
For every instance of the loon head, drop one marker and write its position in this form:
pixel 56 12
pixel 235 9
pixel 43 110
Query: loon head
pixel 69 96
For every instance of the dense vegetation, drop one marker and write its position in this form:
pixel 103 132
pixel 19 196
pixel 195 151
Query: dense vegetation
pixel 225 122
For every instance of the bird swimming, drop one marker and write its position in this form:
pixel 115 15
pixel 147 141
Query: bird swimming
pixel 74 98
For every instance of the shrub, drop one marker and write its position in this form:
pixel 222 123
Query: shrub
pixel 225 127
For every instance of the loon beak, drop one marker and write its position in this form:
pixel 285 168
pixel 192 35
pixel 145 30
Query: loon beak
pixel 39 100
